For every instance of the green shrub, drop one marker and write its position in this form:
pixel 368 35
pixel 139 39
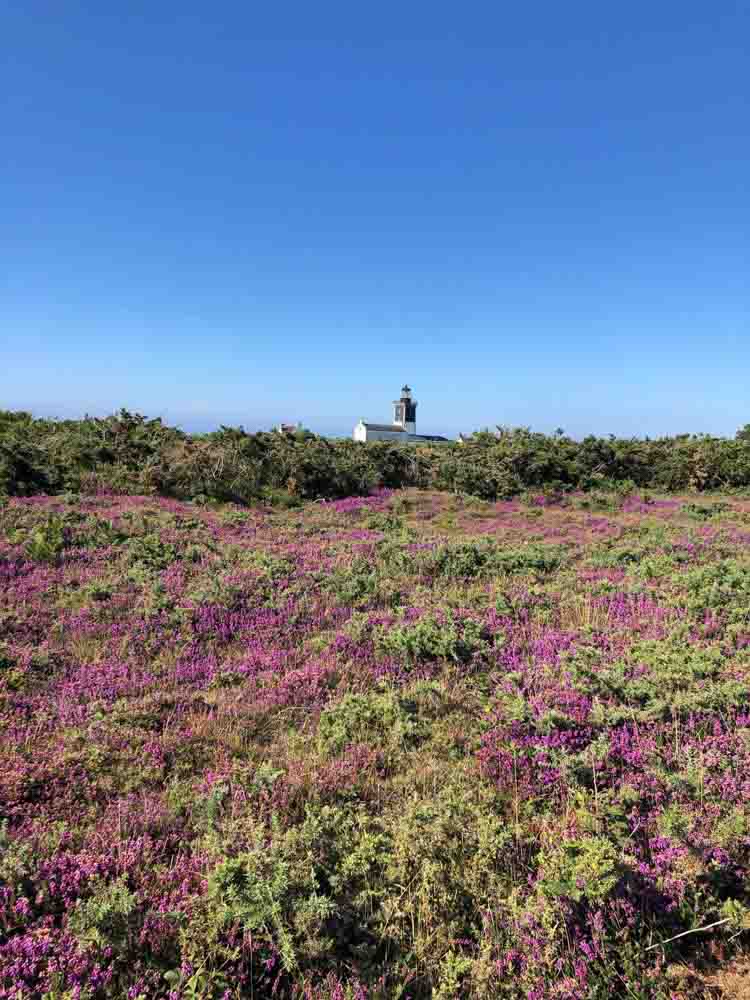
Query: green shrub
pixel 48 542
pixel 717 586
pixel 272 892
pixel 481 559
pixel 463 561
pixel 432 638
pixel 129 453
pixel 705 512
pixel 251 890
pixel 354 585
pixel 271 566
pixel 150 552
pixel 378 718
pixel 586 868
pixel 378 521
pixel 541 559
pixel 107 918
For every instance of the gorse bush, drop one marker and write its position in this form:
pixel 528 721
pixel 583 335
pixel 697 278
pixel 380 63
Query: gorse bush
pixel 131 454
pixel 379 718
pixel 468 560
pixel 253 890
pixel 462 561
pixel 105 918
pixel 150 552
pixel 48 542
pixel 356 584
pixel 580 869
pixel 724 585
pixel 433 638
pixel 705 512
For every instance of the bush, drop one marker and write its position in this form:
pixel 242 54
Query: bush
pixel 380 718
pixel 150 552
pixel 580 869
pixel 48 542
pixel 354 585
pixel 718 585
pixel 466 560
pixel 129 453
pixel 469 560
pixel 432 638
pixel 704 512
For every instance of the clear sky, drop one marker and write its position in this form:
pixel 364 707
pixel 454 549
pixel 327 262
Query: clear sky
pixel 536 213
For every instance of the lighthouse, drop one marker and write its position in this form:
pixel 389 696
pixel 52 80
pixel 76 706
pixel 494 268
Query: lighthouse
pixel 405 411
pixel 403 428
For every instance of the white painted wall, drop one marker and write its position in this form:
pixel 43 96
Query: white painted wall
pixel 361 433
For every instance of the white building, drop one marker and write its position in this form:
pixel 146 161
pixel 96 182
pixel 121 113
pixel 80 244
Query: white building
pixel 403 428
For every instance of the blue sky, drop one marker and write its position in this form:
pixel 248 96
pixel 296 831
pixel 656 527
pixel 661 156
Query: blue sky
pixel 537 213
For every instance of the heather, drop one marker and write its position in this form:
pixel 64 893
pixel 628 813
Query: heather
pixel 399 743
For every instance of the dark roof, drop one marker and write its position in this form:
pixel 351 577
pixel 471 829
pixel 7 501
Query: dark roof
pixel 384 427
pixel 430 437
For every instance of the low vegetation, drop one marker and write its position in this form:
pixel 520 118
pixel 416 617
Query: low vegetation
pixel 410 744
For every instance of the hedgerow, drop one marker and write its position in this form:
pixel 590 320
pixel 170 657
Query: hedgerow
pixel 130 454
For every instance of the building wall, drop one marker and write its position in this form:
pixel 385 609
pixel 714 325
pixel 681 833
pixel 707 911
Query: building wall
pixel 361 433
pixel 384 436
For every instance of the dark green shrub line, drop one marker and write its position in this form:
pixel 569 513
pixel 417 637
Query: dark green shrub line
pixel 130 453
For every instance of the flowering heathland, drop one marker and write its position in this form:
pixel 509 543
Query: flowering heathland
pixel 406 745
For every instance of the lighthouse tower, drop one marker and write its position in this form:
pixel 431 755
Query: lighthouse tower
pixel 405 411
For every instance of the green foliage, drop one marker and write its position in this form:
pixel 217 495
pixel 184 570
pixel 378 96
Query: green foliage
pixel 384 522
pixel 732 829
pixel 271 566
pixel 539 559
pixel 736 914
pixel 480 559
pixel 48 541
pixel 270 892
pixel 150 552
pixel 453 969
pixel 129 453
pixel 716 586
pixel 250 889
pixel 676 680
pixel 356 584
pixel 106 917
pixel 463 561
pixel 16 861
pixel 448 861
pixel 705 512
pixel 380 718
pixel 433 638
pixel 586 868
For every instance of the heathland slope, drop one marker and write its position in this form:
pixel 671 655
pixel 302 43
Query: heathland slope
pixel 411 745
